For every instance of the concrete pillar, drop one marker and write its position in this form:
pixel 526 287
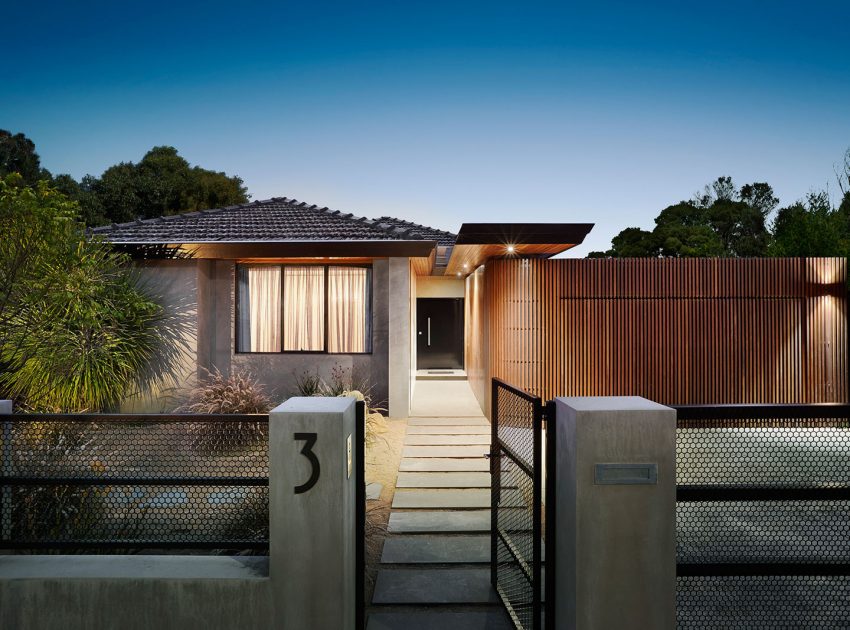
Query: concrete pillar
pixel 312 513
pixel 616 514
pixel 399 333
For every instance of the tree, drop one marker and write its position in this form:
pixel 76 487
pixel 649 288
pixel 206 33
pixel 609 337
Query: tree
pixel 809 228
pixel 720 221
pixel 17 155
pixel 77 330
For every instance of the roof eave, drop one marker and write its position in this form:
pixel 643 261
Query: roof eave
pixel 233 250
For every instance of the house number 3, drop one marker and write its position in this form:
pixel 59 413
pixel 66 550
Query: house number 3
pixel 309 440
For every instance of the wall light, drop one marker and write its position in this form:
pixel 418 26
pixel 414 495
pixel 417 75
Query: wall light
pixel 510 249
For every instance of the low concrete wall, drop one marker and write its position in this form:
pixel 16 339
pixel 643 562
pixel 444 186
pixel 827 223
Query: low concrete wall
pixel 134 592
pixel 306 582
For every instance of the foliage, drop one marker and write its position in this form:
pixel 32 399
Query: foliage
pixel 809 228
pixel 721 221
pixel 238 393
pixel 161 183
pixel 344 382
pixel 77 331
pixel 252 520
pixel 17 155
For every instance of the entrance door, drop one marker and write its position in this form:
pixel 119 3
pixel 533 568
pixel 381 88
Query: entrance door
pixel 439 333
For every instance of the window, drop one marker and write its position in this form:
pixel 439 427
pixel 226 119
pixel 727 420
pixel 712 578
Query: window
pixel 303 308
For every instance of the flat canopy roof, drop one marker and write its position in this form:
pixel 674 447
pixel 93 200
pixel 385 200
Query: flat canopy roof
pixel 476 242
pixel 522 233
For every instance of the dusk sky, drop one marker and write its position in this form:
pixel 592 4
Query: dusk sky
pixel 601 112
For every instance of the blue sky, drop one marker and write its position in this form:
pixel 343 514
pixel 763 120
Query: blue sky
pixel 444 112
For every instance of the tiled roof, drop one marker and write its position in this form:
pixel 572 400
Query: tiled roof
pixel 432 234
pixel 277 219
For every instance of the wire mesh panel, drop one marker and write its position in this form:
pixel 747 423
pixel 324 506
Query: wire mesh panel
pixel 517 509
pixel 763 516
pixel 125 482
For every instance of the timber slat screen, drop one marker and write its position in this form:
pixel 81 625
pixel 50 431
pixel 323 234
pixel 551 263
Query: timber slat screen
pixel 677 331
pixel 88 483
pixel 763 516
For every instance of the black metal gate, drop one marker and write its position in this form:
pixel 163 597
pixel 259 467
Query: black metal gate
pixel 516 466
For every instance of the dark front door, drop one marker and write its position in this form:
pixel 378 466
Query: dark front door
pixel 439 333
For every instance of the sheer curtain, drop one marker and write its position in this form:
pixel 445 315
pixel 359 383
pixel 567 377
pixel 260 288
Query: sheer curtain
pixel 304 308
pixel 348 313
pixel 259 308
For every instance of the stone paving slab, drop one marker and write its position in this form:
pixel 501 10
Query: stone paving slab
pixel 443 480
pixel 434 586
pixel 444 429
pixel 471 421
pixel 446 451
pixel 442 464
pixel 436 549
pixel 373 491
pixel 471 620
pixel 446 440
pixel 463 499
pixel 436 522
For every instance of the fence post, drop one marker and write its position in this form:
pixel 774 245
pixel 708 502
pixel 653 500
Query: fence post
pixel 615 557
pixel 6 470
pixel 312 532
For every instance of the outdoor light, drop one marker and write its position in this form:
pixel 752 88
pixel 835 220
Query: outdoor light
pixel 510 249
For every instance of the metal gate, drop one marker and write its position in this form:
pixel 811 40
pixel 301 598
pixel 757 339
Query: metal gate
pixel 516 536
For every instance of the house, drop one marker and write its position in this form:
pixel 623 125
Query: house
pixel 279 288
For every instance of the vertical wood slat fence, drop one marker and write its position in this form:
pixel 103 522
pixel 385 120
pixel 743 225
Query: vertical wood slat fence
pixel 677 331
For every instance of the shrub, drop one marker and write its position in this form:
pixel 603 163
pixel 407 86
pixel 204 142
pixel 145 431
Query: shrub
pixel 238 393
pixel 77 330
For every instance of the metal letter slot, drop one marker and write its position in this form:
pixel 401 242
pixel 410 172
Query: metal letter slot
pixel 626 474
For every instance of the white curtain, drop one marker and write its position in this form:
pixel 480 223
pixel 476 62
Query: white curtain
pixel 304 308
pixel 348 296
pixel 264 305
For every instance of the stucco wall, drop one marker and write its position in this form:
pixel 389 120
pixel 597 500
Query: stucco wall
pixel 279 371
pixel 439 287
pixel 173 284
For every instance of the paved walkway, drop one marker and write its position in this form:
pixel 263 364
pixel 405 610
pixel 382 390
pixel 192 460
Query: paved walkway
pixel 435 571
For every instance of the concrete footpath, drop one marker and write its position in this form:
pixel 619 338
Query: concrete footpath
pixel 435 572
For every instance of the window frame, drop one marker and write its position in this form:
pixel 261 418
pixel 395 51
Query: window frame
pixel 326 267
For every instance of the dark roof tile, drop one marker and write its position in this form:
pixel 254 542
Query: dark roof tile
pixel 276 219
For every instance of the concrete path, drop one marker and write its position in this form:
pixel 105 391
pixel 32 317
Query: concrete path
pixel 435 571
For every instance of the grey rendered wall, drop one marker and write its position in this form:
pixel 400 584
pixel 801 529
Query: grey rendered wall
pixel 278 372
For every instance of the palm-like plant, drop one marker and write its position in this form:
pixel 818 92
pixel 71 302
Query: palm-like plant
pixel 79 331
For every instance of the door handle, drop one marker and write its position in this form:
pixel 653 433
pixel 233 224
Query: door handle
pixel 429 332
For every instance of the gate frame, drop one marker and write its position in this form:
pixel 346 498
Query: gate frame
pixel 542 423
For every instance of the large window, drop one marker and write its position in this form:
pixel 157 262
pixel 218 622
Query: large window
pixel 303 308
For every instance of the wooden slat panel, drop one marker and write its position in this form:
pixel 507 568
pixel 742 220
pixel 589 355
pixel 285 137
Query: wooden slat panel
pixel 678 331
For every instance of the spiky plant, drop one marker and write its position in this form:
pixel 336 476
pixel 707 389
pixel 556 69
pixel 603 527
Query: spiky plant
pixel 79 330
pixel 238 393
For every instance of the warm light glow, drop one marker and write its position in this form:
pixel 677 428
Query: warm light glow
pixel 510 249
pixel 458 274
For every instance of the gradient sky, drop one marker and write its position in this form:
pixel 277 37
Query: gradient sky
pixel 444 112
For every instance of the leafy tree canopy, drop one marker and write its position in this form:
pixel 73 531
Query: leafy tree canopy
pixel 721 221
pixel 161 183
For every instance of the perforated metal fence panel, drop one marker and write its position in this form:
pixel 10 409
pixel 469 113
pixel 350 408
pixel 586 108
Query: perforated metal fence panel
pixel 517 508
pixel 763 516
pixel 95 483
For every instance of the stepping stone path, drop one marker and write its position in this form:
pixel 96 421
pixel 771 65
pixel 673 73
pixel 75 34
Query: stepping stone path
pixel 435 565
